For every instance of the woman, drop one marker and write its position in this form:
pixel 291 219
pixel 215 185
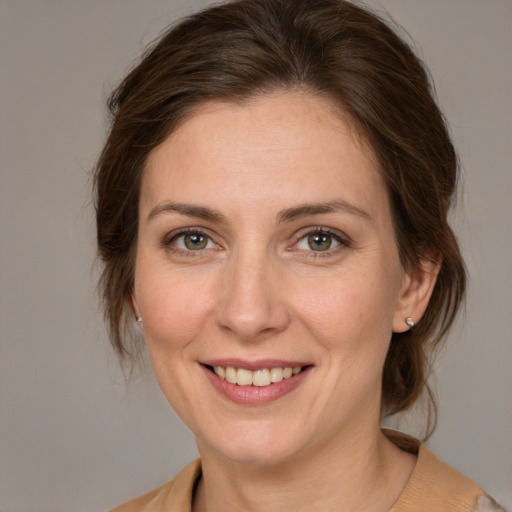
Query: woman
pixel 272 211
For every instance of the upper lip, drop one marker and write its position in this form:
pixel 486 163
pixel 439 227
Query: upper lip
pixel 254 365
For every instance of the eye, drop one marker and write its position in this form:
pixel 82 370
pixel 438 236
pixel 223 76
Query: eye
pixel 192 241
pixel 320 240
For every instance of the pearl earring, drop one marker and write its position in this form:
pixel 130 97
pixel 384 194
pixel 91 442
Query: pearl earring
pixel 409 321
pixel 139 321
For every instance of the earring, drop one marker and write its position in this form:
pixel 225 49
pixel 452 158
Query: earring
pixel 409 321
pixel 139 321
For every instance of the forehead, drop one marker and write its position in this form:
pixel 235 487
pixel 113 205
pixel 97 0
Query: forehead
pixel 286 146
pixel 278 112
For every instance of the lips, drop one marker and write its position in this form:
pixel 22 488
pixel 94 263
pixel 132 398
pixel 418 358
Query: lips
pixel 250 382
pixel 262 377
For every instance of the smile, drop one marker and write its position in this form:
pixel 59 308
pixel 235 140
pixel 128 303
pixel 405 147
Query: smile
pixel 260 378
pixel 255 383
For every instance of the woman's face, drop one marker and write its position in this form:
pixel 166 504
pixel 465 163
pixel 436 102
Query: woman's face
pixel 266 244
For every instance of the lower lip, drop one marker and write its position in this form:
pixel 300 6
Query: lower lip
pixel 255 394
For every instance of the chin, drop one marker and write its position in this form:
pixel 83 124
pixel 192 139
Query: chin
pixel 265 445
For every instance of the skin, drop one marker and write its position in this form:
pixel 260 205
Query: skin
pixel 259 290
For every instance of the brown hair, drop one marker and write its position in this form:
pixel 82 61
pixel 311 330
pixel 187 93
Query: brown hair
pixel 329 47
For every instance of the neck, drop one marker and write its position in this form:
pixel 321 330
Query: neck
pixel 364 471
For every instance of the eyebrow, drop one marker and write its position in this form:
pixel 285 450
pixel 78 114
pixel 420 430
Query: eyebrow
pixel 189 210
pixel 307 209
pixel 286 215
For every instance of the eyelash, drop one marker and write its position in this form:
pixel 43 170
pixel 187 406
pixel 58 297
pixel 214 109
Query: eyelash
pixel 171 239
pixel 342 239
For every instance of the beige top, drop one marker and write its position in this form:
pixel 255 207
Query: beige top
pixel 433 487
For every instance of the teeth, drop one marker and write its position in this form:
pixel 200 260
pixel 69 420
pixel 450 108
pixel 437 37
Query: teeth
pixel 262 377
pixel 231 374
pixel 243 377
pixel 276 374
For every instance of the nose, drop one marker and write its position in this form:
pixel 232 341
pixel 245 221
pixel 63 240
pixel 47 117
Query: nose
pixel 252 305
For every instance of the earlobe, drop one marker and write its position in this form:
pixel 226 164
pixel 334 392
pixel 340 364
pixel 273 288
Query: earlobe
pixel 417 287
pixel 136 310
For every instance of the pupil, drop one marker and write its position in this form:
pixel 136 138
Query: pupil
pixel 319 242
pixel 195 241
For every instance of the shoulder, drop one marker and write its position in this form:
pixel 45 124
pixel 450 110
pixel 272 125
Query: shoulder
pixel 436 486
pixel 486 504
pixel 175 495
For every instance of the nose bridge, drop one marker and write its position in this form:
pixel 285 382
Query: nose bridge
pixel 251 306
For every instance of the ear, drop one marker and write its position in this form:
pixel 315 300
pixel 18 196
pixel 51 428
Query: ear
pixel 136 311
pixel 415 292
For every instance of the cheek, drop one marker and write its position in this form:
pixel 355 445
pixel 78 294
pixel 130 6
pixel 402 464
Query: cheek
pixel 352 312
pixel 175 307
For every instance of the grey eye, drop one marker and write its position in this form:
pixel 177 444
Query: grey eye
pixel 193 241
pixel 320 241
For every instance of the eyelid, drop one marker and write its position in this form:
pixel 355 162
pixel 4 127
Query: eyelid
pixel 343 239
pixel 169 238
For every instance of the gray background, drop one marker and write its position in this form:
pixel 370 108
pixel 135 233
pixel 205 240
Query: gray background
pixel 72 437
